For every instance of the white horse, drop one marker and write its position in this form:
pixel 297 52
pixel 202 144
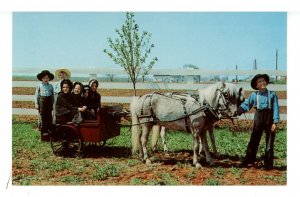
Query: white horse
pixel 182 114
pixel 161 131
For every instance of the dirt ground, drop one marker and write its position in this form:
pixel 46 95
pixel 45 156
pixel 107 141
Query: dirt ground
pixel 173 168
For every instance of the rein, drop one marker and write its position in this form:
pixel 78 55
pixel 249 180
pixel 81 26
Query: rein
pixel 219 112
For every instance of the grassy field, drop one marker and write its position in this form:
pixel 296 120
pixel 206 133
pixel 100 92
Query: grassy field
pixel 35 164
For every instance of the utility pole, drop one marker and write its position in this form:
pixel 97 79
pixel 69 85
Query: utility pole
pixel 255 65
pixel 236 77
pixel 276 64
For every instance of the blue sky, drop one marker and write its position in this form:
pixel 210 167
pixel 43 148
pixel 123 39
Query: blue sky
pixel 209 40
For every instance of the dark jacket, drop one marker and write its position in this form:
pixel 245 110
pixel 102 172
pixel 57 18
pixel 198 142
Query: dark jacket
pixel 77 100
pixel 65 109
pixel 93 101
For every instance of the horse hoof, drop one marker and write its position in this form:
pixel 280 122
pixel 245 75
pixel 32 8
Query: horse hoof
pixel 211 164
pixel 148 161
pixel 198 166
pixel 217 156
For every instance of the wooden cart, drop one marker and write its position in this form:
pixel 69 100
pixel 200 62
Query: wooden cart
pixel 70 139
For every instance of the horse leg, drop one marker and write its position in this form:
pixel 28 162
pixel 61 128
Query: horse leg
pixel 155 136
pixel 156 130
pixel 144 139
pixel 136 132
pixel 205 147
pixel 163 137
pixel 196 150
pixel 213 142
pixel 201 149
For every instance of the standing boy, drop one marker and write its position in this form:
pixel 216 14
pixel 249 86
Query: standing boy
pixel 44 103
pixel 266 119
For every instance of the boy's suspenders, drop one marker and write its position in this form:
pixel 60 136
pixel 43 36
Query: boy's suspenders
pixel 257 100
pixel 269 100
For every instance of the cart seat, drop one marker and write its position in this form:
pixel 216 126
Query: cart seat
pixel 89 123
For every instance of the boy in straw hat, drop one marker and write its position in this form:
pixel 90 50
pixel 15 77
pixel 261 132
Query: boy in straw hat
pixel 60 74
pixel 266 119
pixel 44 103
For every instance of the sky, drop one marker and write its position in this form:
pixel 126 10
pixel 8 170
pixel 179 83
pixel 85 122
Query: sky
pixel 209 40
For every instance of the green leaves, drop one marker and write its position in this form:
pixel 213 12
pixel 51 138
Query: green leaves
pixel 131 49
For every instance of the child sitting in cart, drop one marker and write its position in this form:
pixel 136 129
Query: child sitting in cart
pixel 93 100
pixel 78 100
pixel 66 111
pixel 89 113
pixel 77 94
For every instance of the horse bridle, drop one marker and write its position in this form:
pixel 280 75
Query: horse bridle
pixel 225 107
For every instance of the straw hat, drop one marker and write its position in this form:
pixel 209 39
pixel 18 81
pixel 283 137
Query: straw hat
pixel 253 81
pixel 68 73
pixel 44 73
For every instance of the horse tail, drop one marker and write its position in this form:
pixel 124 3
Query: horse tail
pixel 136 130
pixel 155 135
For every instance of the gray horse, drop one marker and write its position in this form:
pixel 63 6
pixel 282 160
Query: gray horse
pixel 183 114
pixel 160 131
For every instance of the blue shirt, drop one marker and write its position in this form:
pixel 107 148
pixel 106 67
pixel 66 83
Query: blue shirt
pixel 57 88
pixel 263 100
pixel 43 89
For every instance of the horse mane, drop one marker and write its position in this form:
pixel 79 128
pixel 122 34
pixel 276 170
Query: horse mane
pixel 209 92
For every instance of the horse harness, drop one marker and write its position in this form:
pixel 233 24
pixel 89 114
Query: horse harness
pixel 225 97
pixel 205 107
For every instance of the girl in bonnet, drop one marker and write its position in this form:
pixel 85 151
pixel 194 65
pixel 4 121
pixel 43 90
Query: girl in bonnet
pixel 60 74
pixel 94 98
pixel 65 108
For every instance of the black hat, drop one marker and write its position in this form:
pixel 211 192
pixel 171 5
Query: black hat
pixel 86 87
pixel 44 73
pixel 253 81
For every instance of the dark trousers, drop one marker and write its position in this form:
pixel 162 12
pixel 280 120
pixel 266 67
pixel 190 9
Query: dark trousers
pixel 45 111
pixel 263 121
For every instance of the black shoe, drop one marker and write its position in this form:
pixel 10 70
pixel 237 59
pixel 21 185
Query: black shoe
pixel 244 164
pixel 267 167
pixel 45 137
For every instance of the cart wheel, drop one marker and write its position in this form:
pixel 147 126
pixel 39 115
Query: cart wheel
pixel 65 143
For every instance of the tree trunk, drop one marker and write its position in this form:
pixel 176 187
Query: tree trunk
pixel 133 83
